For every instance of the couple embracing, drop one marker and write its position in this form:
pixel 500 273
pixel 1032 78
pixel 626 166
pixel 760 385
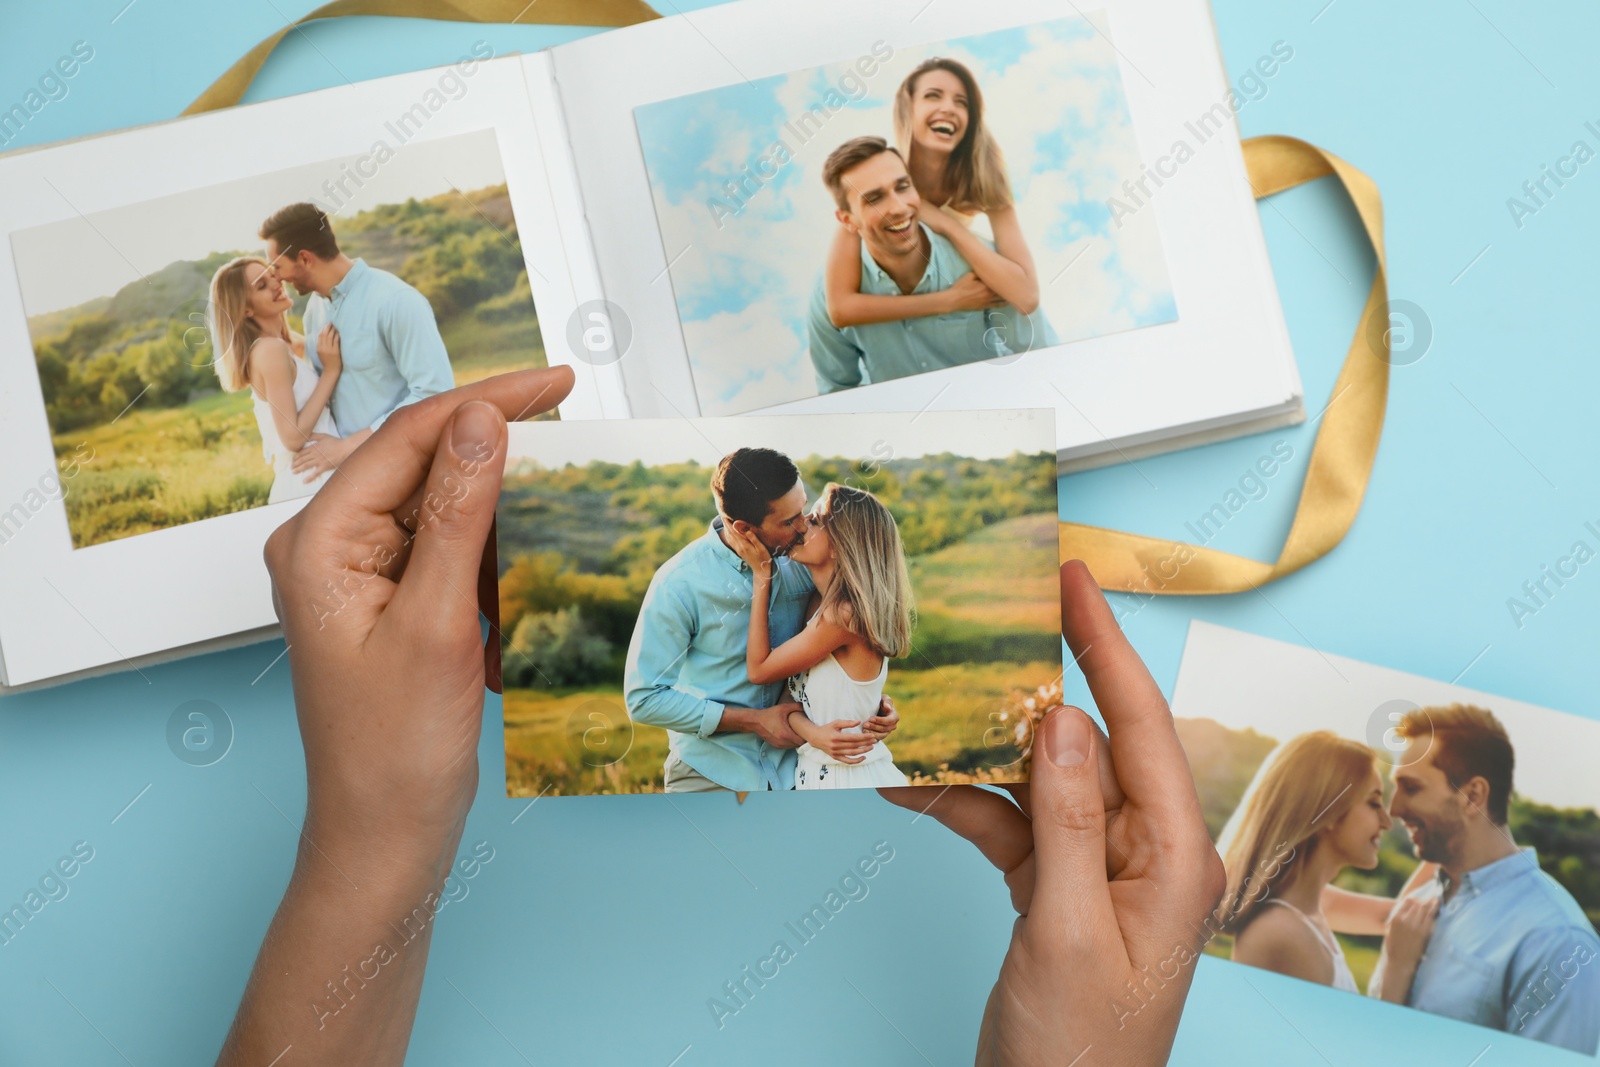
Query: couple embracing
pixel 1479 932
pixel 763 646
pixel 929 267
pixel 371 345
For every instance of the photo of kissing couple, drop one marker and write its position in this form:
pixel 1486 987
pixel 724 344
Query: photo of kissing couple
pixel 1416 869
pixel 228 347
pixel 370 345
pixel 777 616
pixel 906 212
pixel 790 608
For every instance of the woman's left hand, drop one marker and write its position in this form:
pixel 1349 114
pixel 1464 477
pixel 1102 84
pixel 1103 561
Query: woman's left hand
pixel 750 549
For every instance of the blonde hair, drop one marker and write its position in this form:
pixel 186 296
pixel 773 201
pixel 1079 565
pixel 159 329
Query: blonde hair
pixel 976 172
pixel 1305 784
pixel 870 594
pixel 232 331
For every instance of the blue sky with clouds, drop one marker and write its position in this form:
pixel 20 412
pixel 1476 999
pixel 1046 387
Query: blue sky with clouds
pixel 1056 105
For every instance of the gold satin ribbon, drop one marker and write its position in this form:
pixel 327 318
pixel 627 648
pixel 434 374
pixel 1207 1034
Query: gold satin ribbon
pixel 1341 457
pixel 227 90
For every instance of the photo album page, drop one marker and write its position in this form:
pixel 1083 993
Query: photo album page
pixel 908 206
pixel 360 247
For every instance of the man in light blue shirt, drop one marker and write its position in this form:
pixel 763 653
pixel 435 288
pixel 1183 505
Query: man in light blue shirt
pixel 389 341
pixel 1510 947
pixel 901 256
pixel 686 671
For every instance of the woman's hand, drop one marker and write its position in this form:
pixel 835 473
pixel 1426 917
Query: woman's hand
pixel 969 293
pixel 1108 861
pixel 750 549
pixel 328 350
pixel 935 218
pixel 1404 941
pixel 378 582
pixel 832 739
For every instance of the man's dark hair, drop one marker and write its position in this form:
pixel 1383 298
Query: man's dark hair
pixel 748 480
pixel 301 226
pixel 1468 743
pixel 851 154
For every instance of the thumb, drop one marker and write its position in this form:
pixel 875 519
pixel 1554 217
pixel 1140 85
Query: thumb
pixel 452 519
pixel 1071 894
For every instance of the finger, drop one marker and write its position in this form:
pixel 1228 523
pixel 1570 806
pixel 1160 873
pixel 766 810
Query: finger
pixel 991 822
pixel 463 487
pixel 1145 754
pixel 489 605
pixel 1110 788
pixel 1071 894
pixel 385 473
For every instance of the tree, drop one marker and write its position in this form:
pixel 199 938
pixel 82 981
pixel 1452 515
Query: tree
pixel 555 648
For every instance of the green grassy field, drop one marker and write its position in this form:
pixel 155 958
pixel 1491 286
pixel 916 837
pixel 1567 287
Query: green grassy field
pixel 992 577
pixel 944 713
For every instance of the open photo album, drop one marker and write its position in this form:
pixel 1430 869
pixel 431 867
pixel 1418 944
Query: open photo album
pixel 756 209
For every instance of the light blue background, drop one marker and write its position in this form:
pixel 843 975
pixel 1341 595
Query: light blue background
pixel 574 945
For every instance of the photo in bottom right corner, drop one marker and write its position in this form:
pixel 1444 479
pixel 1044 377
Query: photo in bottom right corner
pixel 1396 836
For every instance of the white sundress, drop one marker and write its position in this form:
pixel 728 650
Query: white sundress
pixel 827 693
pixel 1342 978
pixel 286 484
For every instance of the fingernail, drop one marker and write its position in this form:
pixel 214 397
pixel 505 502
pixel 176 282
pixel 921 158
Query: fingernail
pixel 476 430
pixel 1066 737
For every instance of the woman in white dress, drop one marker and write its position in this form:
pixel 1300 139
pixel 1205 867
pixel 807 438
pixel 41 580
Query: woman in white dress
pixel 255 348
pixel 1315 807
pixel 859 618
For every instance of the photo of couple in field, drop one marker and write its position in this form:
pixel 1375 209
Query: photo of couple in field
pixel 228 348
pixel 775 617
pixel 903 212
pixel 1441 858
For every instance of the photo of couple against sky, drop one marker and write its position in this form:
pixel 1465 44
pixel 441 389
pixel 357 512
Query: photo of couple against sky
pixel 221 349
pixel 793 259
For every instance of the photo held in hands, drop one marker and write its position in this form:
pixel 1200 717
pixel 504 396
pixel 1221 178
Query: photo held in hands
pixel 833 602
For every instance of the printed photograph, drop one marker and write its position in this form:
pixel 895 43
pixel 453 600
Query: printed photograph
pixel 777 602
pixel 226 348
pixel 1397 837
pixel 903 211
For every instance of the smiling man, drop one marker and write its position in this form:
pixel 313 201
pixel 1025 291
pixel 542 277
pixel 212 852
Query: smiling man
pixel 901 256
pixel 1510 947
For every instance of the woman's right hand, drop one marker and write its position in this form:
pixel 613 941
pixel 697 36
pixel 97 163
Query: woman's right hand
pixel 832 739
pixel 1407 936
pixel 750 549
pixel 328 350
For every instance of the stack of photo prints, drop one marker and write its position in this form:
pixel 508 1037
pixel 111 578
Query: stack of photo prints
pixel 845 289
